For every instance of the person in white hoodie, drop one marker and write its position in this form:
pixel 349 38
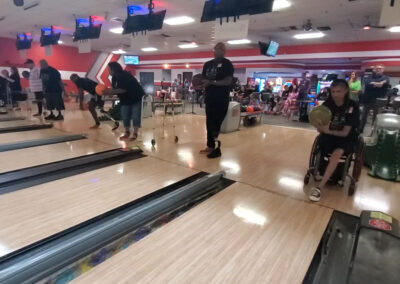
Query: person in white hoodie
pixel 35 84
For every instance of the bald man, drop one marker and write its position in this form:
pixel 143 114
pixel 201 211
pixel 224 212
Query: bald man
pixel 218 74
pixel 376 86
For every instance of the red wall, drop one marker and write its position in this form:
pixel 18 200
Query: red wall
pixel 64 58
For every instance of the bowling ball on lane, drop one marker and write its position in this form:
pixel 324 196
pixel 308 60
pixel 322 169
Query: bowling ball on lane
pixel 320 115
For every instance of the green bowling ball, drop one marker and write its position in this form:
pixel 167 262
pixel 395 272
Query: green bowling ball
pixel 320 115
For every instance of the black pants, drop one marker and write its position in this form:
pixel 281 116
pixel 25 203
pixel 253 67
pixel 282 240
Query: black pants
pixel 215 115
pixel 39 99
pixel 366 109
pixel 92 109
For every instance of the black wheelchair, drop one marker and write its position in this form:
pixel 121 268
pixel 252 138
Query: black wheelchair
pixel 350 165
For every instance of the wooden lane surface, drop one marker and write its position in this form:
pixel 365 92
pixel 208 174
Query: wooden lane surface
pixel 269 157
pixel 29 215
pixel 4 124
pixel 241 235
pixel 23 158
pixel 6 138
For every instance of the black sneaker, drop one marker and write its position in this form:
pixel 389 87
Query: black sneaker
pixel 59 117
pixel 50 117
pixel 216 153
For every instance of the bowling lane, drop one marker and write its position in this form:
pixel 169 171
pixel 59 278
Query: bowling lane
pixel 241 235
pixel 30 215
pixel 18 159
pixel 4 124
pixel 30 135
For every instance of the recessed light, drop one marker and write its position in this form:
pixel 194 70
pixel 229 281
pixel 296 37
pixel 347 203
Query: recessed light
pixel 149 49
pixel 119 51
pixel 281 4
pixel 183 20
pixel 60 42
pixel 187 65
pixel 366 27
pixel 166 66
pixel 189 45
pixel 239 41
pixel 309 35
pixel 117 30
pixel 395 29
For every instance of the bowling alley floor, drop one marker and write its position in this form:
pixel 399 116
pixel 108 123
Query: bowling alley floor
pixel 269 158
pixel 268 164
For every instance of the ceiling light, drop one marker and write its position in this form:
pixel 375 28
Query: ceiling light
pixel 366 27
pixel 183 20
pixel 60 42
pixel 281 4
pixel 149 49
pixel 187 65
pixel 395 29
pixel 239 41
pixel 117 30
pixel 166 66
pixel 309 35
pixel 189 45
pixel 119 51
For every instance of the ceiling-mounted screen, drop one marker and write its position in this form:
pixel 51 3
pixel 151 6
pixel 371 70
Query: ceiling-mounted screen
pixel 131 60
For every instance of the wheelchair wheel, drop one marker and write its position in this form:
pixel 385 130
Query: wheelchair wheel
pixel 352 188
pixel 358 159
pixel 307 179
pixel 314 151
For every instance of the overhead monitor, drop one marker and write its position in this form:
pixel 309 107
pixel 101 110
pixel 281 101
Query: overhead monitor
pixel 131 60
pixel 269 49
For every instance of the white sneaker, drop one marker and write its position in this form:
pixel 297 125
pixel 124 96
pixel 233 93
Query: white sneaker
pixel 315 194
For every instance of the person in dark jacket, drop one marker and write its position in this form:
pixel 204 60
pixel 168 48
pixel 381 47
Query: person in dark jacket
pixel 130 94
pixel 376 86
pixel 53 88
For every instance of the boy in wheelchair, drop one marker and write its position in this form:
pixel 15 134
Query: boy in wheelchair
pixel 340 136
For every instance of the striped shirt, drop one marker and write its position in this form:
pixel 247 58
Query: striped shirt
pixel 35 82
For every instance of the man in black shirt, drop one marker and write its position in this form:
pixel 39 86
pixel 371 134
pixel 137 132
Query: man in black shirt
pixel 85 84
pixel 130 94
pixel 53 88
pixel 375 87
pixel 218 74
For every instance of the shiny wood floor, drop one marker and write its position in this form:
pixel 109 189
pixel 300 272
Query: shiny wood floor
pixel 260 230
pixel 30 215
pixel 241 235
pixel 4 124
pixel 30 135
pixel 18 159
pixel 271 158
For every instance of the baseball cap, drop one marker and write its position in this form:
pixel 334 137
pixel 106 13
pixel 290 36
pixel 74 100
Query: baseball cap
pixel 28 61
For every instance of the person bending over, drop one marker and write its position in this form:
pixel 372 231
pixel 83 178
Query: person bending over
pixel 218 74
pixel 340 136
pixel 85 84
pixel 130 94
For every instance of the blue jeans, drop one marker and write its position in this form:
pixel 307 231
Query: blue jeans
pixel 132 113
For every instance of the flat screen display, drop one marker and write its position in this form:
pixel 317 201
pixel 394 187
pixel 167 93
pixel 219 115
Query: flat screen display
pixel 272 48
pixel 131 60
pixel 269 49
